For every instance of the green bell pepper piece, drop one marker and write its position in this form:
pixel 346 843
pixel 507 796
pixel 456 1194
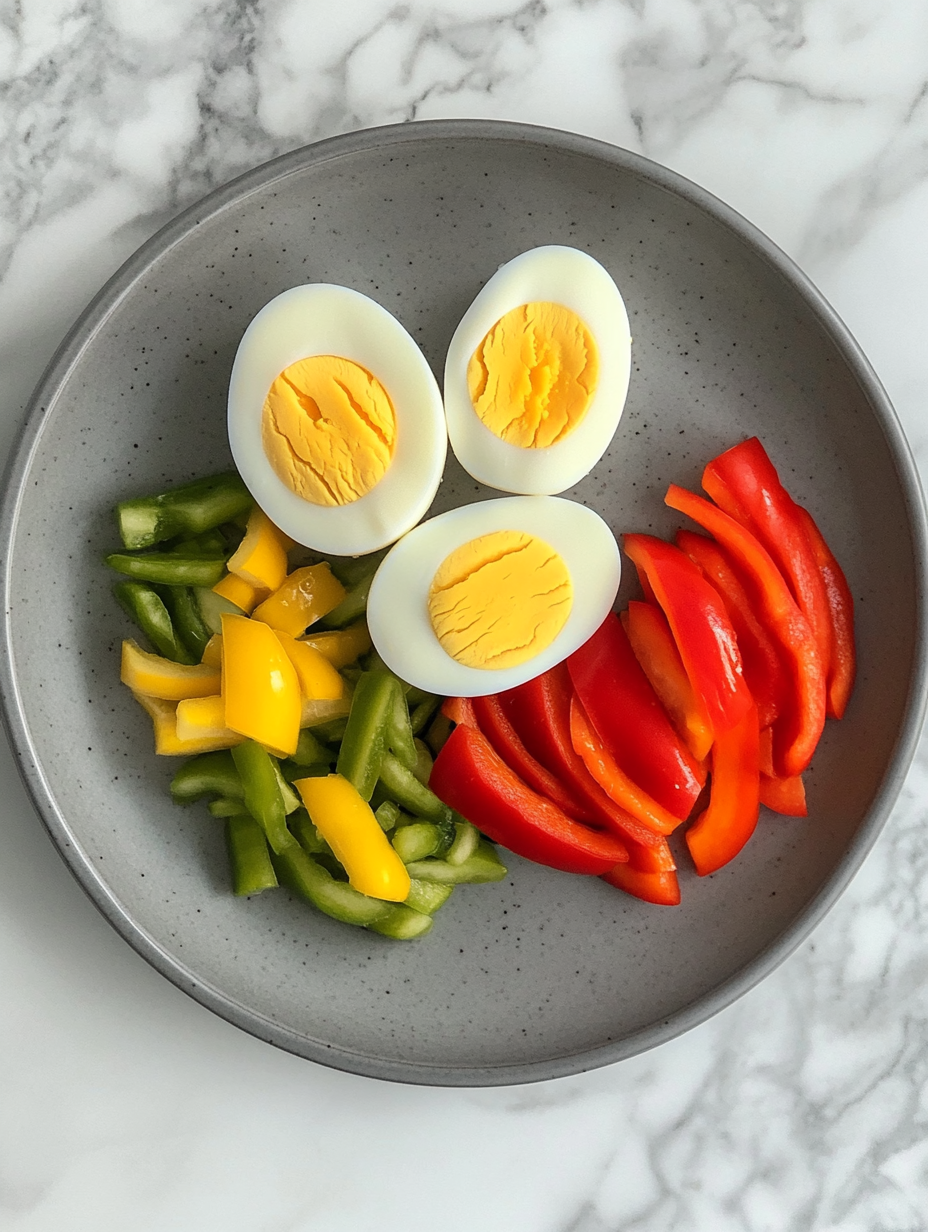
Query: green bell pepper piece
pixel 151 615
pixel 187 510
pixel 205 775
pixel 305 876
pixel 401 785
pixel 364 741
pixel 402 923
pixel 263 798
pixel 483 865
pixel 185 615
pixel 252 870
pixel 167 569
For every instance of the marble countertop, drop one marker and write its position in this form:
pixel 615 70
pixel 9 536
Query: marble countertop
pixel 125 1105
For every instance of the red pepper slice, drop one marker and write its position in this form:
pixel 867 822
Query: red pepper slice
pixel 798 729
pixel 459 710
pixel 786 796
pixel 627 714
pixel 759 659
pixel 662 889
pixel 700 626
pixel 471 777
pixel 842 666
pixel 493 721
pixel 540 713
pixel 744 482
pixel 612 779
pixel 654 647
pixel 729 821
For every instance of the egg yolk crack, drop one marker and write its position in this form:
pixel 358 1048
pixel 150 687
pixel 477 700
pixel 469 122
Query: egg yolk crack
pixel 499 600
pixel 329 429
pixel 532 378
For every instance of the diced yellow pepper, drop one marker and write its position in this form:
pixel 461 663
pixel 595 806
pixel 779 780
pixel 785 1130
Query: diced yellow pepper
pixel 260 687
pixel 346 822
pixel 342 646
pixel 261 558
pixel 212 652
pixel 157 677
pixel 167 742
pixel 306 595
pixel 204 718
pixel 239 592
pixel 314 711
pixel 318 678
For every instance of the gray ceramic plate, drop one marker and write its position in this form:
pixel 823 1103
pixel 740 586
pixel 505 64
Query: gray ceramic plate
pixel 543 974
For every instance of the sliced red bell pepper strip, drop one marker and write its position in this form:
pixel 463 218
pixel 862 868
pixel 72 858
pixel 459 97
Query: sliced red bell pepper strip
pixel 786 796
pixel 701 629
pixel 495 724
pixel 470 777
pixel 656 651
pixel 663 889
pixel 630 720
pixel 765 746
pixel 759 659
pixel 722 830
pixel 612 779
pixel 540 713
pixel 459 710
pixel 744 482
pixel 798 729
pixel 842 665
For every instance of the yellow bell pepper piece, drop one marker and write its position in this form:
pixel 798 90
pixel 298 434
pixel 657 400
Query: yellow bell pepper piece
pixel 212 651
pixel 167 742
pixel 260 687
pixel 261 558
pixel 318 678
pixel 346 822
pixel 239 592
pixel 204 718
pixel 307 595
pixel 342 646
pixel 157 677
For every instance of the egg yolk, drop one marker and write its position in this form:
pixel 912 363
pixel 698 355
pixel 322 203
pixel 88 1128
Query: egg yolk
pixel 499 600
pixel 328 429
pixel 533 376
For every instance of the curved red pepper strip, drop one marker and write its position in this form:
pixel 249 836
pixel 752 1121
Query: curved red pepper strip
pixel 798 729
pixel 786 796
pixel 843 665
pixel 612 778
pixel 744 482
pixel 654 647
pixel 762 668
pixel 627 715
pixel 540 713
pixel 493 721
pixel 701 629
pixel 663 889
pixel 734 802
pixel 471 777
pixel 459 710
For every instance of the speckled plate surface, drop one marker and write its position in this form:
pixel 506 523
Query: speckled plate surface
pixel 543 974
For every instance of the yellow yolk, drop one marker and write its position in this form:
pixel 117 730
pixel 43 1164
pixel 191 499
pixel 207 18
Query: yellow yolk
pixel 533 376
pixel 499 600
pixel 328 429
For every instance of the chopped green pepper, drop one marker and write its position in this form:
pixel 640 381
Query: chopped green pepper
pixel 167 569
pixel 252 870
pixel 185 616
pixel 305 876
pixel 422 713
pixel 151 615
pixel 482 866
pixel 187 510
pixel 207 774
pixel 263 798
pixel 402 923
pixel 402 786
pixel 428 896
pixel 400 740
pixel 364 742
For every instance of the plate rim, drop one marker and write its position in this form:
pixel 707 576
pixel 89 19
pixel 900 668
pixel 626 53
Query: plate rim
pixel 94 317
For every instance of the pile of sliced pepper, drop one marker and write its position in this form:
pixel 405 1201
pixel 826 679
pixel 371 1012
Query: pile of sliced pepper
pixel 266 675
pixel 705 700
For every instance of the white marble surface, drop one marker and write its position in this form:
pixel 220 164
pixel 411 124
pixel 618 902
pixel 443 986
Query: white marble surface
pixel 123 1104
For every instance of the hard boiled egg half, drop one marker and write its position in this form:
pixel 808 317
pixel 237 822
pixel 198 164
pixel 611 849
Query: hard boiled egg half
pixel 537 372
pixel 485 597
pixel 335 420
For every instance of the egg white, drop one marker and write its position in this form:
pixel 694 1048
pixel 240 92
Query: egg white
pixel 323 319
pixel 551 274
pixel 397 607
